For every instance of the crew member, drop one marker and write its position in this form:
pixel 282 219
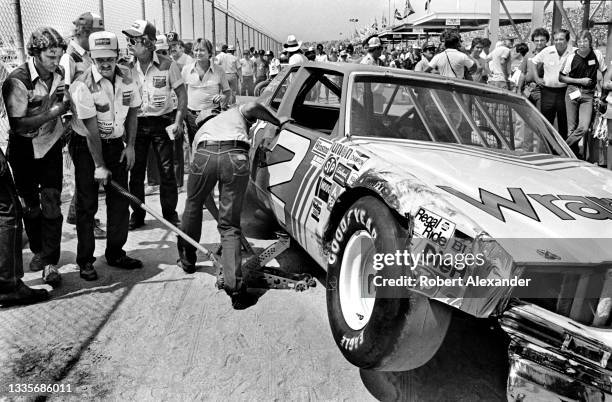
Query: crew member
pixel 157 77
pixel 75 61
pixel 293 47
pixel 374 48
pixel 34 97
pixel 229 64
pixel 222 146
pixel 247 75
pixel 106 101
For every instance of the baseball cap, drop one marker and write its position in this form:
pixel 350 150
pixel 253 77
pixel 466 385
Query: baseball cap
pixel 373 43
pixel 162 43
pixel 231 48
pixel 103 44
pixel 141 28
pixel 90 21
pixel 429 45
pixel 172 37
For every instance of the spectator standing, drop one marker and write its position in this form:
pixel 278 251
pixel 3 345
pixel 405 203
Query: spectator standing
pixel 374 47
pixel 310 54
pixel 320 55
pixel 451 62
pixel 579 72
pixel 207 85
pixel 429 49
pixel 106 101
pixel 553 91
pixel 34 98
pixel 294 50
pixel 532 90
pixel 481 72
pixel 247 70
pixel 157 77
pixel 261 68
pixel 274 64
pixel 75 61
pixel 499 61
pixel 607 86
pixel 229 63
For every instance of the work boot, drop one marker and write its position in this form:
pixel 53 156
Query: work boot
pixel 125 262
pixel 88 272
pixel 242 299
pixel 36 263
pixel 135 223
pixel 99 233
pixel 22 295
pixel 184 261
pixel 51 275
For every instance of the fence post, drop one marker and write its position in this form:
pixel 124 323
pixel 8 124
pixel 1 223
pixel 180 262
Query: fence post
pixel 142 5
pixel 203 18
pixel 164 15
pixel 180 15
pixel 227 22
pixel 18 30
pixel 101 7
pixel 214 35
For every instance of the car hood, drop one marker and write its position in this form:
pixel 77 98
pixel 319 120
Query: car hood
pixel 500 192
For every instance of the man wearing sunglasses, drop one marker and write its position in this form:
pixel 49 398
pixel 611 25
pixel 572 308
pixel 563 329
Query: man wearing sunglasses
pixel 157 76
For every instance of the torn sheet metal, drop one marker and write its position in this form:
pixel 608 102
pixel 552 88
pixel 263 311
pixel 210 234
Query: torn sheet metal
pixel 555 358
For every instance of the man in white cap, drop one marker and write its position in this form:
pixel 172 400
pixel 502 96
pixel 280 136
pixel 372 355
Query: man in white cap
pixel 157 76
pixel 75 61
pixel 106 100
pixel 229 63
pixel 294 50
pixel 161 45
pixel 374 47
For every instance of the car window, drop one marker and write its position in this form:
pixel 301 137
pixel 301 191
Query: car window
pixel 393 107
pixel 276 89
pixel 317 105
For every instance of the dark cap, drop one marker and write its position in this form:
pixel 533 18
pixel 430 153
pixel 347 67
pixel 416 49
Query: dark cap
pixel 173 37
pixel 141 28
pixel 90 21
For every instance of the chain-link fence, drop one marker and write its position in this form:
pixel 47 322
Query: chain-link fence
pixel 190 18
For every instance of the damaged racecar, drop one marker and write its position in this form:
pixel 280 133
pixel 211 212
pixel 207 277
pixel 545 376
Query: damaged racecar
pixel 419 195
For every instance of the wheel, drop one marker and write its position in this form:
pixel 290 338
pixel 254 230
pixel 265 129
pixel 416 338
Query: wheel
pixel 377 328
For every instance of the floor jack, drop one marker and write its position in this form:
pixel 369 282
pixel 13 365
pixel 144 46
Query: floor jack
pixel 254 271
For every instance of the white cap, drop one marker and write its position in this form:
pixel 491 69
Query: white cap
pixel 103 44
pixel 162 43
pixel 373 43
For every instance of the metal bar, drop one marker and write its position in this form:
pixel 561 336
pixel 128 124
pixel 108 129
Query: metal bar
pixel 101 7
pixel 578 312
pixel 516 30
pixel 602 313
pixel 609 46
pixel 227 22
pixel 164 15
pixel 596 9
pixel 214 35
pixel 18 24
pixel 585 14
pixel 494 22
pixel 557 18
pixel 180 19
pixel 537 14
pixel 559 4
pixel 142 6
pixel 203 19
pixel 193 35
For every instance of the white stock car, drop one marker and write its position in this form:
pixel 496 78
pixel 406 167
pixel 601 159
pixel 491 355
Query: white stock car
pixel 382 162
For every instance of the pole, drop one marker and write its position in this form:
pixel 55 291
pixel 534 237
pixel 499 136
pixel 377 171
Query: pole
pixel 171 14
pixel 609 46
pixel 18 24
pixel 180 13
pixel 101 7
pixel 226 22
pixel 494 23
pixel 164 15
pixel 214 36
pixel 537 14
pixel 557 18
pixel 235 31
pixel 586 11
pixel 242 34
pixel 193 35
pixel 142 6
pixel 203 19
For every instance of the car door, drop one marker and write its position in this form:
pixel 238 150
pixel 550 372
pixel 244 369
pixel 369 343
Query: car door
pixel 286 176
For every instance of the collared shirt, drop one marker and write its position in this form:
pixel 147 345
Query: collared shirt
pixel 246 66
pixel 75 61
pixel 552 64
pixel 576 66
pixel 227 62
pixel 370 60
pixel 200 92
pixel 95 96
pixel 229 125
pixel 451 63
pixel 184 60
pixel 156 85
pixel 297 58
pixel 499 64
pixel 26 94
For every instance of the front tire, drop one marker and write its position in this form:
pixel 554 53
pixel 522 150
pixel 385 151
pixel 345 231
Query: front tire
pixel 378 328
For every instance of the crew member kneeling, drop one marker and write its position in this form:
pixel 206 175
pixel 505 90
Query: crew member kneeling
pixel 221 148
pixel 105 98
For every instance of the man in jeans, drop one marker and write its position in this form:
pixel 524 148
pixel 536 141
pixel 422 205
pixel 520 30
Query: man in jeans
pixel 580 73
pixel 221 154
pixel 157 77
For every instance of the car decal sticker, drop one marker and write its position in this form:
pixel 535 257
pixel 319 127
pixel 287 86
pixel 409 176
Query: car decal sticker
pixel 301 217
pixel 301 202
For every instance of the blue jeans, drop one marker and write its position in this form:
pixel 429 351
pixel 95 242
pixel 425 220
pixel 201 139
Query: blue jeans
pixel 229 166
pixel 579 113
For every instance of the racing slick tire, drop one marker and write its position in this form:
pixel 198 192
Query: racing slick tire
pixel 393 329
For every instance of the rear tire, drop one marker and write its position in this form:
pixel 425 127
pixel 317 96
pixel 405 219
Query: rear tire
pixel 393 329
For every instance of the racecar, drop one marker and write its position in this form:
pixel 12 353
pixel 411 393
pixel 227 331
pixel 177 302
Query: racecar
pixel 420 195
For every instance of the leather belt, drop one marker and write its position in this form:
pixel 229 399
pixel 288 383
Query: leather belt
pixel 230 143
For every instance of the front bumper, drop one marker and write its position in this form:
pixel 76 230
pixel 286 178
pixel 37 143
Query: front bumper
pixel 555 358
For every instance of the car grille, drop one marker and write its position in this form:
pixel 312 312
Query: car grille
pixel 582 294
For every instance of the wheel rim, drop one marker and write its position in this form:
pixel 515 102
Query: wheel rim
pixel 356 273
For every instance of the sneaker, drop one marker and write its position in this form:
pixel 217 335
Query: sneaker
pixel 36 264
pixel 51 275
pixel 99 233
pixel 150 190
pixel 135 223
pixel 88 272
pixel 22 295
pixel 125 262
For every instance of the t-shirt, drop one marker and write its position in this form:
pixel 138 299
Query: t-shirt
pixel 247 67
pixel 458 62
pixel 499 64
pixel 576 66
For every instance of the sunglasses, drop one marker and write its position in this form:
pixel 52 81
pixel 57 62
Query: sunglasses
pixel 134 41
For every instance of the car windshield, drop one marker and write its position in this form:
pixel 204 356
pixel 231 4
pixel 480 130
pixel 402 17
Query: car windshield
pixel 404 108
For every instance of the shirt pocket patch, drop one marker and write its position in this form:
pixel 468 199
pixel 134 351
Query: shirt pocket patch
pixel 159 81
pixel 127 98
pixel 103 108
pixel 105 128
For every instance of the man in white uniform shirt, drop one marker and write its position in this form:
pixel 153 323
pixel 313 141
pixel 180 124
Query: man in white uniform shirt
pixel 229 64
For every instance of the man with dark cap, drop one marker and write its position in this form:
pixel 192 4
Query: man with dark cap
pixel 34 98
pixel 75 61
pixel 177 50
pixel 158 123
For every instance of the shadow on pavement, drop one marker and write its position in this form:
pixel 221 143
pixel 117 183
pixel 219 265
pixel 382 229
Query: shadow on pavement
pixel 471 365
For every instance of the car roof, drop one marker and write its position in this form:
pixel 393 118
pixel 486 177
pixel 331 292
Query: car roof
pixel 351 68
